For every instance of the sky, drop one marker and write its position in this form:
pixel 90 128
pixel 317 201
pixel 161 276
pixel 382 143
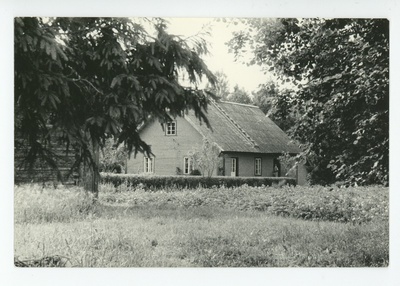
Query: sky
pixel 219 58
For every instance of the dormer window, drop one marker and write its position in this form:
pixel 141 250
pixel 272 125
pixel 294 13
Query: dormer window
pixel 170 128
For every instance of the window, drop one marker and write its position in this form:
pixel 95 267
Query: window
pixel 187 165
pixel 170 128
pixel 257 166
pixel 234 169
pixel 148 165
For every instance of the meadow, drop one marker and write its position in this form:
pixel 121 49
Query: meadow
pixel 205 227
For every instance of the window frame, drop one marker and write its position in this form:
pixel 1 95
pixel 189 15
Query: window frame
pixel 146 161
pixel 235 166
pixel 189 165
pixel 259 173
pixel 168 131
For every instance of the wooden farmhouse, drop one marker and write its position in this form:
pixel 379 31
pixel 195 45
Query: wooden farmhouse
pixel 249 142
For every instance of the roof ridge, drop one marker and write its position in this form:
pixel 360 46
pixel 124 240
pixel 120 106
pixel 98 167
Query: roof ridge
pixel 241 104
pixel 238 127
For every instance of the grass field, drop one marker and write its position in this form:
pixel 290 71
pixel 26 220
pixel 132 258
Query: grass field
pixel 240 227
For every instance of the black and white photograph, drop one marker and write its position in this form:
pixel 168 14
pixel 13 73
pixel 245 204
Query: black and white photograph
pixel 233 143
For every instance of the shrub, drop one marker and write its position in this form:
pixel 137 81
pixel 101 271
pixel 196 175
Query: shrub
pixel 158 182
pixel 346 205
pixel 195 172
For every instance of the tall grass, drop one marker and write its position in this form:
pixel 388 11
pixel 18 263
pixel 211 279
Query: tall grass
pixel 37 204
pixel 169 228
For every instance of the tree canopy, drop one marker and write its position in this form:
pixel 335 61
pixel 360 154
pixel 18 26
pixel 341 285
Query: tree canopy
pixel 96 78
pixel 275 104
pixel 340 70
pixel 221 86
pixel 239 95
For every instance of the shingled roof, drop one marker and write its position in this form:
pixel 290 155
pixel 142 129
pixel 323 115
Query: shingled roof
pixel 242 128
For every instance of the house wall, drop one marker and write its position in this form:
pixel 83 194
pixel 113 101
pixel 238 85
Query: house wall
pixel 168 150
pixel 42 171
pixel 247 164
pixel 302 175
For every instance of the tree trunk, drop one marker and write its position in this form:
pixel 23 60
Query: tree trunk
pixel 94 187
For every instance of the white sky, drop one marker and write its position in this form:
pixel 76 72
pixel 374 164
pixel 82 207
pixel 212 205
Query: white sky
pixel 219 59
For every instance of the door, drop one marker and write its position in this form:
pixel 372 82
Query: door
pixel 234 167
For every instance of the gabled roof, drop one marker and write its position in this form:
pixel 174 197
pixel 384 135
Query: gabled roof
pixel 242 128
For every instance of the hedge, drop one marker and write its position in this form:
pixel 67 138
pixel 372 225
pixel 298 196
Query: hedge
pixel 156 182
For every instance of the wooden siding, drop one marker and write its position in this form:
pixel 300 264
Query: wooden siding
pixel 247 164
pixel 301 175
pixel 41 171
pixel 169 150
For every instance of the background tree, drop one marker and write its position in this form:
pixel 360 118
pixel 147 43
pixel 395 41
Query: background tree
pixel 265 95
pixel 112 157
pixel 239 95
pixel 276 104
pixel 341 70
pixel 96 78
pixel 221 86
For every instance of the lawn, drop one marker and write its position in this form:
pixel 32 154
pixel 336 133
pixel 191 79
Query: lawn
pixel 220 227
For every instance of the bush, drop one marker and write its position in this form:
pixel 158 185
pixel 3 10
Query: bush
pixel 195 172
pixel 191 182
pixel 346 205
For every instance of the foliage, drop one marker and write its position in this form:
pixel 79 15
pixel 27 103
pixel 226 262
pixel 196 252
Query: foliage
pixel 47 261
pixel 113 158
pixel 345 205
pixel 221 86
pixel 340 70
pixel 157 182
pixel 239 95
pixel 206 158
pixel 276 104
pixel 289 164
pixel 264 95
pixel 195 172
pixel 96 78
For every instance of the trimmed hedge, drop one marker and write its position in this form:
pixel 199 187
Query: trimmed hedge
pixel 191 182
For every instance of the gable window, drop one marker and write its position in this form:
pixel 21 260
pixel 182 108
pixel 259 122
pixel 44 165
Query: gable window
pixel 257 166
pixel 148 165
pixel 170 128
pixel 187 165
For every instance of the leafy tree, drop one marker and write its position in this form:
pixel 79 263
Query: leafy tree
pixel 221 86
pixel 206 158
pixel 113 157
pixel 96 78
pixel 265 95
pixel 276 104
pixel 341 70
pixel 239 95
